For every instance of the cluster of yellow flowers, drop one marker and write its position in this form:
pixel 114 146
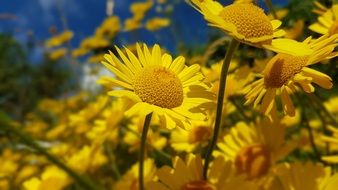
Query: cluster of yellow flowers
pixel 162 124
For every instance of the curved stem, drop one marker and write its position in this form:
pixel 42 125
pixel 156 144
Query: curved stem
pixel 83 181
pixel 272 10
pixel 142 149
pixel 221 91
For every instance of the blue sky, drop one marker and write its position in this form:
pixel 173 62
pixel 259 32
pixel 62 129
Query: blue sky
pixel 85 15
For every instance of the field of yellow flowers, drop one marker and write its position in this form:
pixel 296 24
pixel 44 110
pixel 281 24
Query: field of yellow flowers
pixel 256 108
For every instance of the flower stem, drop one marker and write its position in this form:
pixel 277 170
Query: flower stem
pixel 272 10
pixel 221 91
pixel 83 181
pixel 142 149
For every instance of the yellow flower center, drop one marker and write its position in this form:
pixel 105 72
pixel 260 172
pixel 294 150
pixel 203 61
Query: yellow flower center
pixel 334 28
pixel 198 185
pixel 249 20
pixel 159 86
pixel 281 69
pixel 253 160
pixel 199 134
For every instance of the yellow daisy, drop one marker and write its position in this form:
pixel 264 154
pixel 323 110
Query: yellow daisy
pixel 254 149
pixel 327 23
pixel 284 74
pixel 307 176
pixel 188 176
pixel 244 21
pixel 197 137
pixel 157 84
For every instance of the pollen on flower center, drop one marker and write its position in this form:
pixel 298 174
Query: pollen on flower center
pixel 198 185
pixel 249 20
pixel 159 86
pixel 283 69
pixel 253 160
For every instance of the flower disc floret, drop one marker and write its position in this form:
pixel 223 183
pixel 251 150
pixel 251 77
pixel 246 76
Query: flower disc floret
pixel 283 68
pixel 249 20
pixel 159 86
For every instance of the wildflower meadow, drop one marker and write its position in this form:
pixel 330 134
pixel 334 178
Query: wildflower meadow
pixel 169 95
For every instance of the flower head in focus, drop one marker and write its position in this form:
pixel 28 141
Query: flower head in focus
pixel 244 21
pixel 285 74
pixel 158 84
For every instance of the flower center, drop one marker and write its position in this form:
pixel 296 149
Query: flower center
pixel 334 28
pixel 253 160
pixel 159 86
pixel 249 20
pixel 200 134
pixel 282 69
pixel 198 185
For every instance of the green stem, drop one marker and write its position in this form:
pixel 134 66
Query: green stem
pixel 272 10
pixel 142 149
pixel 221 91
pixel 83 181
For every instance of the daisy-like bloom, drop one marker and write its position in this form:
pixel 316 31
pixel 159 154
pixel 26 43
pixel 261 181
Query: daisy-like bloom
pixel 284 74
pixel 244 21
pixel 308 176
pixel 197 137
pixel 157 84
pixel 255 149
pixel 327 23
pixel 130 179
pixel 188 176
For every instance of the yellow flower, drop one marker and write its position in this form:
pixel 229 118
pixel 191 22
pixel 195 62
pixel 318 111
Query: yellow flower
pixel 9 163
pixel 243 1
pixel 80 52
pixel 327 23
pixel 308 176
pixel 188 141
pixel 52 178
pixel 296 30
pixel 243 21
pixel 331 103
pixel 90 158
pixel 157 84
pixel 254 149
pixel 60 39
pixel 130 179
pixel 284 74
pixel 97 58
pixel 57 54
pixel 188 176
pixel 110 27
pixel 141 8
pixel 94 42
pixel 132 24
pixel 333 142
pixel 157 23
